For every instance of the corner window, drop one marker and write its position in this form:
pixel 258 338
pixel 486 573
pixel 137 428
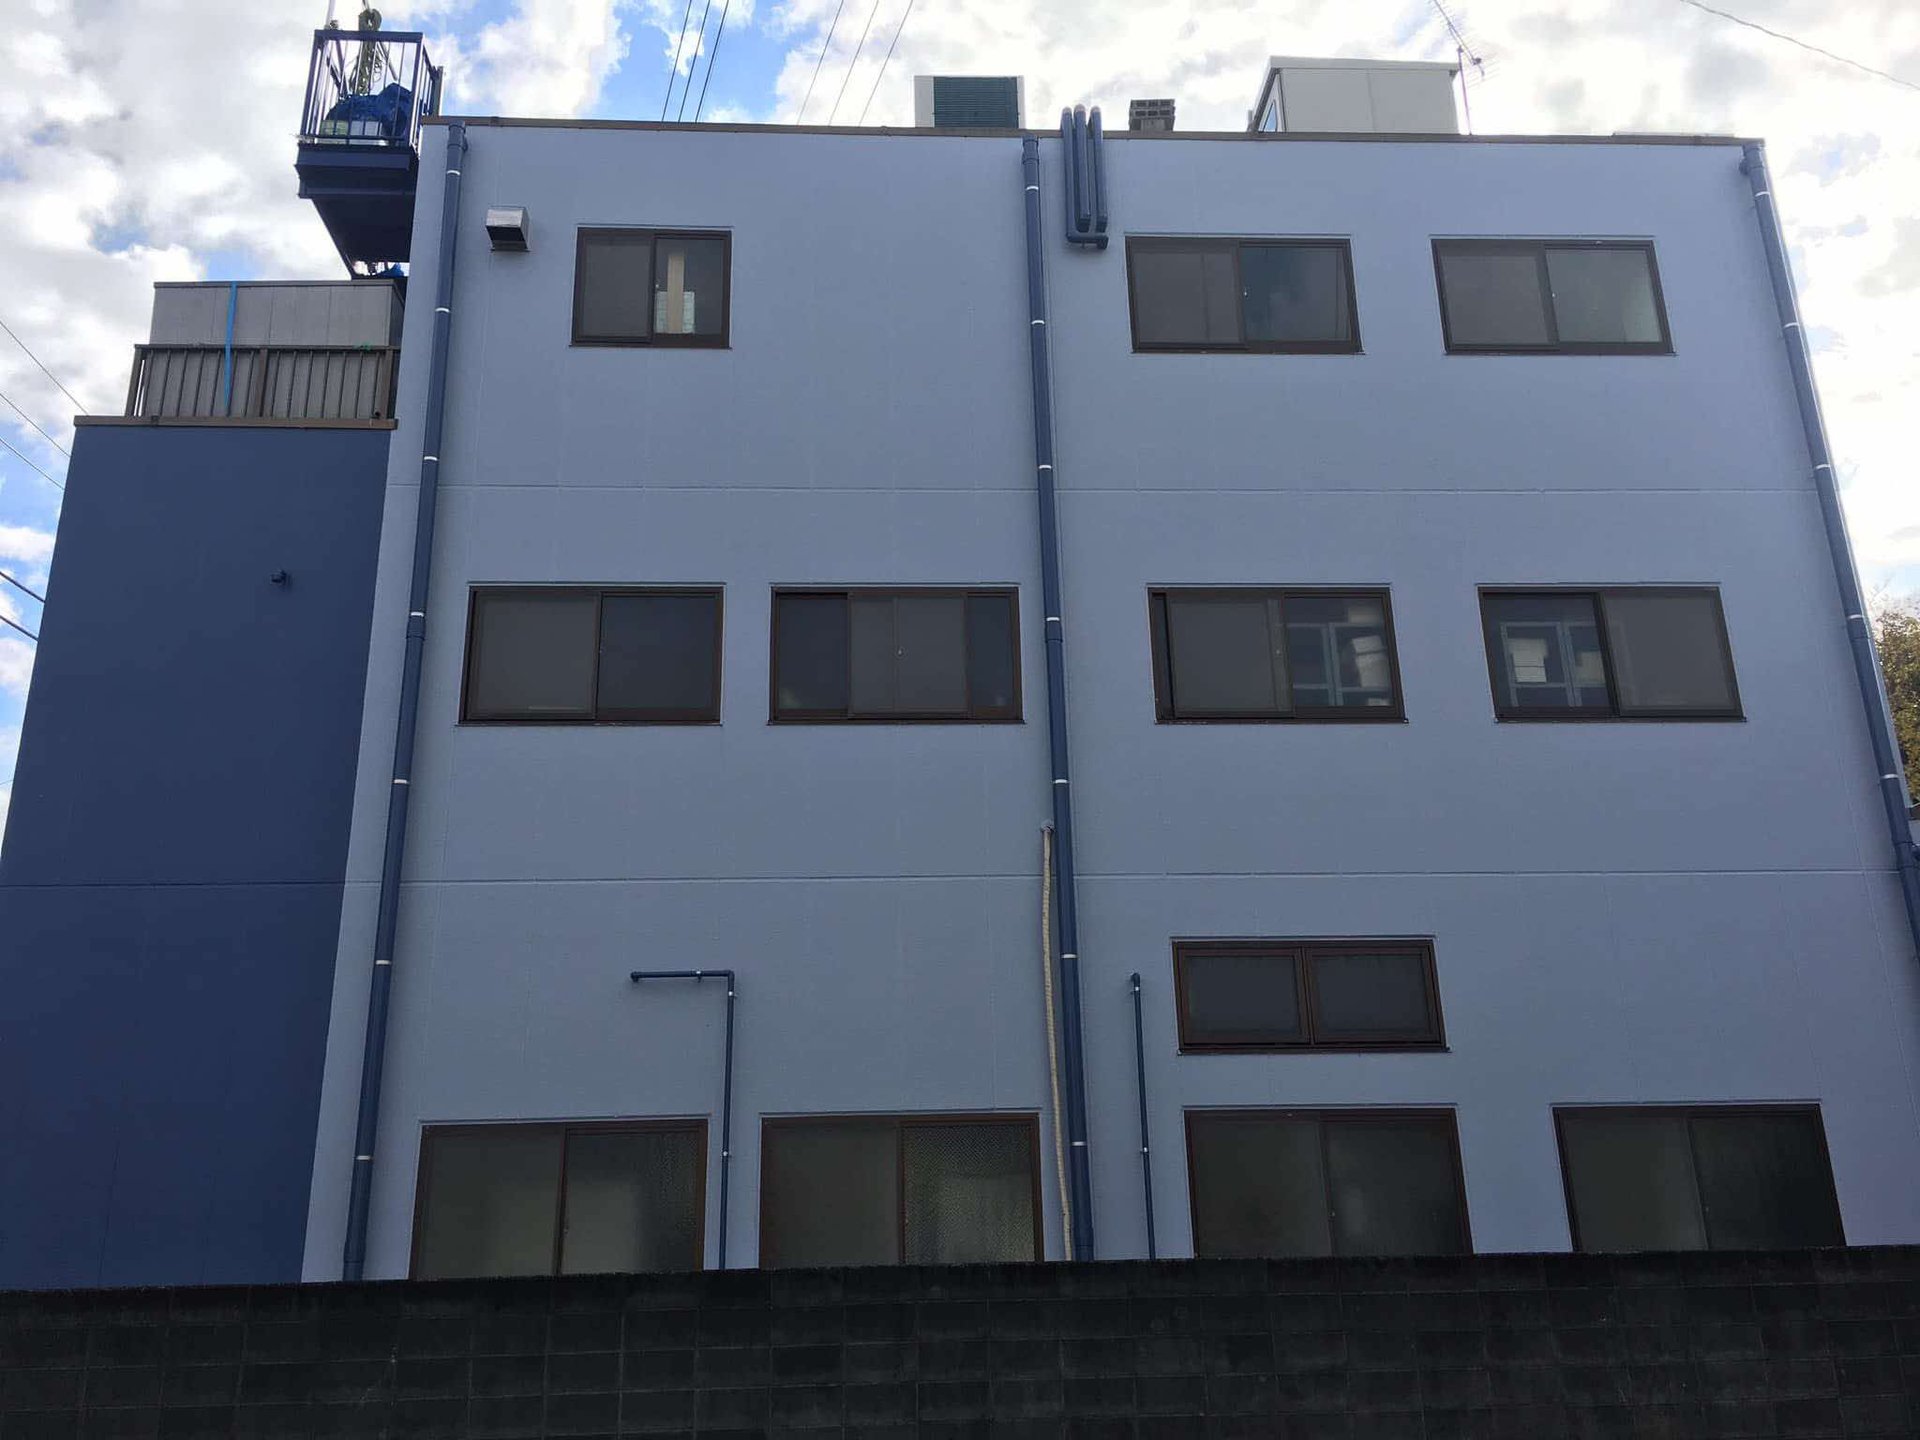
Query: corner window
pixel 559 1199
pixel 1240 995
pixel 896 655
pixel 1698 1179
pixel 1626 654
pixel 1250 655
pixel 1325 1182
pixel 1274 296
pixel 890 1190
pixel 586 655
pixel 651 287
pixel 1568 297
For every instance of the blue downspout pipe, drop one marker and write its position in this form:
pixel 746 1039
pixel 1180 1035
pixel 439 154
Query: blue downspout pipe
pixel 1146 1146
pixel 726 1082
pixel 1866 664
pixel 373 1058
pixel 226 355
pixel 1072 1055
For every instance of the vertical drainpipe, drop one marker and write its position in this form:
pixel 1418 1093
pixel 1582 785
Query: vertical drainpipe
pixel 373 1058
pixel 1866 664
pixel 226 354
pixel 1079 1185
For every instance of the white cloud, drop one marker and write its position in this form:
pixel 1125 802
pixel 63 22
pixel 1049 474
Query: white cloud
pixel 548 58
pixel 27 546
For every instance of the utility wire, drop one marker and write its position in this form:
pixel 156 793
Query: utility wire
pixel 21 628
pixel 36 429
pixel 29 464
pixel 826 46
pixel 22 588
pixel 48 373
pixel 712 55
pixel 1803 44
pixel 883 64
pixel 687 89
pixel 674 73
pixel 854 63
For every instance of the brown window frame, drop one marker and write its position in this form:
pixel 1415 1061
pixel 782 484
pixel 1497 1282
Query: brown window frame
pixel 898 1122
pixel 702 715
pixel 1303 954
pixel 694 1124
pixel 1322 1115
pixel 1165 710
pixel 1539 248
pixel 1242 346
pixel 651 236
pixel 1012 715
pixel 1613 714
pixel 1688 1113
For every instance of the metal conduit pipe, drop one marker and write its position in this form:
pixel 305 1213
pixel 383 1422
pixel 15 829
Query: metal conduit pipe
pixel 1073 1063
pixel 373 1057
pixel 1146 1158
pixel 1866 663
pixel 726 1082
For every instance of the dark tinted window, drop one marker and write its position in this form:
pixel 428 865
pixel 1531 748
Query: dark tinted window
pixel 541 1199
pixel 1628 653
pixel 896 655
pixel 594 655
pixel 1265 295
pixel 1573 296
pixel 650 287
pixel 1273 655
pixel 1352 1182
pixel 882 1190
pixel 1288 994
pixel 1720 1179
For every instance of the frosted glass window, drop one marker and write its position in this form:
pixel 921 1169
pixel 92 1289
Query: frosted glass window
pixel 633 1201
pixel 1225 656
pixel 1604 295
pixel 1630 1178
pixel 1260 295
pixel 1240 997
pixel 1494 298
pixel 1373 995
pixel 532 655
pixel 1296 293
pixel 1292 1183
pixel 491 1204
pixel 880 655
pixel 611 283
pixel 969 1193
pixel 1184 295
pixel 1283 994
pixel 1568 296
pixel 659 655
pixel 1765 1181
pixel 1669 652
pixel 831 1194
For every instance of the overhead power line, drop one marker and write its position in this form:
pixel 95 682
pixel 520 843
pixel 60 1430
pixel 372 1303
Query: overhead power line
pixel 1803 44
pixel 885 61
pixel 21 628
pixel 712 55
pixel 674 73
pixel 36 429
pixel 48 373
pixel 30 465
pixel 825 46
pixel 854 63
pixel 698 41
pixel 24 590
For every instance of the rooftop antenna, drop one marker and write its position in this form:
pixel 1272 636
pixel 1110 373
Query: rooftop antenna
pixel 1464 55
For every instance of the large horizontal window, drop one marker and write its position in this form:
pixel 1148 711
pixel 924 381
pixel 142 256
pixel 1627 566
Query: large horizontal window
pixel 1698 1179
pixel 651 287
pixel 559 1199
pixel 582 654
pixel 1288 296
pixel 1569 297
pixel 888 1190
pixel 1240 655
pixel 896 655
pixel 1325 1182
pixel 1306 995
pixel 1628 654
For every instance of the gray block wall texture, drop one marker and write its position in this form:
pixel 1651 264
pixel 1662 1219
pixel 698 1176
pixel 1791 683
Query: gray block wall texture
pixel 1821 1343
pixel 1621 913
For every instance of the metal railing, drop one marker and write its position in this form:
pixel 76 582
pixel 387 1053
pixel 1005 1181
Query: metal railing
pixel 265 382
pixel 369 87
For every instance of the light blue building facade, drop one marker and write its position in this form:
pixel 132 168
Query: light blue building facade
pixel 1678 910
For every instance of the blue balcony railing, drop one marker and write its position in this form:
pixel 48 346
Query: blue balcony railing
pixel 369 88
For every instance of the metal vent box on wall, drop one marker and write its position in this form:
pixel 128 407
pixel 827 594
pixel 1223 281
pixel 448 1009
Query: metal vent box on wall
pixel 969 102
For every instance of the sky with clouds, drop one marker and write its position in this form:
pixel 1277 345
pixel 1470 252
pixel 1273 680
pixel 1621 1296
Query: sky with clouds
pixel 145 140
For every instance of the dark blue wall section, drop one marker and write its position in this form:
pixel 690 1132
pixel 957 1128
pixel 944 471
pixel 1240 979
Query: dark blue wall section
pixel 170 885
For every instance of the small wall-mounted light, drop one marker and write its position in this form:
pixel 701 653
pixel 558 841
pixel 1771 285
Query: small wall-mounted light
pixel 507 228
